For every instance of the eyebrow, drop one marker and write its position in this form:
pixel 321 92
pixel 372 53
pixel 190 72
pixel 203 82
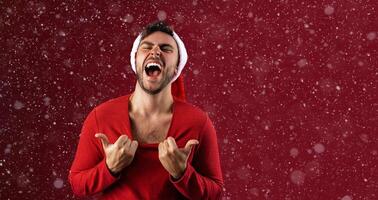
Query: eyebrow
pixel 160 45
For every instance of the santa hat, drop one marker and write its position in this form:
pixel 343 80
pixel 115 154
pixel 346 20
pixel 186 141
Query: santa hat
pixel 178 80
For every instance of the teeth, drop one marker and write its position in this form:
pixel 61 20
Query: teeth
pixel 150 64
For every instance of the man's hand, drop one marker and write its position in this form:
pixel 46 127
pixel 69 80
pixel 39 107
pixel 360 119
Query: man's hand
pixel 173 158
pixel 120 154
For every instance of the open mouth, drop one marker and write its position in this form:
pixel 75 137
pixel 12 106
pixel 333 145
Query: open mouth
pixel 153 69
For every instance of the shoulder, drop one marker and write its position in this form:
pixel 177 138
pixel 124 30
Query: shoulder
pixel 190 112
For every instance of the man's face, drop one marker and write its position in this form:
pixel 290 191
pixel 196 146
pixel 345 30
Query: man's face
pixel 156 62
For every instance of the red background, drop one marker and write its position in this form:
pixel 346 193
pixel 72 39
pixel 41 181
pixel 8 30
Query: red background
pixel 291 87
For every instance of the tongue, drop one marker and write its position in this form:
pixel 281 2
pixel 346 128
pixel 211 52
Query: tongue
pixel 154 73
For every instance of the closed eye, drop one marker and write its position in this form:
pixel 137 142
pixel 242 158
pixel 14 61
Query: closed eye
pixel 146 47
pixel 163 47
pixel 166 49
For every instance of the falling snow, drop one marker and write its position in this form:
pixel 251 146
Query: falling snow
pixel 329 10
pixel 371 35
pixel 58 183
pixel 302 62
pixel 18 105
pixel 319 148
pixel 297 177
pixel 162 15
pixel 346 197
pixel 294 152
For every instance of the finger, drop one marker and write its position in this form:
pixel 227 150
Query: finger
pixel 104 139
pixel 133 146
pixel 165 146
pixel 161 149
pixel 172 146
pixel 189 145
pixel 170 150
pixel 121 140
pixel 127 144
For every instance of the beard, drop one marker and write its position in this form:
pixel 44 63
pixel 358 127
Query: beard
pixel 167 77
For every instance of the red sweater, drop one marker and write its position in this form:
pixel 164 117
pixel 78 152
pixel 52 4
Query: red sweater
pixel 145 177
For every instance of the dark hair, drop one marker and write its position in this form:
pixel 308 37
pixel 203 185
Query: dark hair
pixel 157 26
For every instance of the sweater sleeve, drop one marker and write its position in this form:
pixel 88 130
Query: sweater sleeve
pixel 203 178
pixel 89 174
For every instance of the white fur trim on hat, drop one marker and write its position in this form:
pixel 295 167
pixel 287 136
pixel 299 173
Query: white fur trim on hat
pixel 181 48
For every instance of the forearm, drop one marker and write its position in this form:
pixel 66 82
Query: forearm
pixel 195 186
pixel 91 181
pixel 202 178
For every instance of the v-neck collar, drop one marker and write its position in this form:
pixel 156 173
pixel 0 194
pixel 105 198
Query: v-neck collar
pixel 128 125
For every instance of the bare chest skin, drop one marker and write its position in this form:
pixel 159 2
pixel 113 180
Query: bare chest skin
pixel 153 129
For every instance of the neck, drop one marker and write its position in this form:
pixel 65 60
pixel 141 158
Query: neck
pixel 146 104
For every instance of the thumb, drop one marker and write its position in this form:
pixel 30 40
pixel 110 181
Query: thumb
pixel 189 145
pixel 104 139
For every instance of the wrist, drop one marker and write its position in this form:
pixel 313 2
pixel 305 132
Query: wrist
pixel 112 172
pixel 178 175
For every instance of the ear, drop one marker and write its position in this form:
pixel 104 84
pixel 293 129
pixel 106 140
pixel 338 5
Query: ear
pixel 177 65
pixel 178 61
pixel 176 70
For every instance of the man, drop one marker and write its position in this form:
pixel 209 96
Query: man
pixel 149 144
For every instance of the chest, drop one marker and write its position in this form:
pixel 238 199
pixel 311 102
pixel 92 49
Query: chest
pixel 150 130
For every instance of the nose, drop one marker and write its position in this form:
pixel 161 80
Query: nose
pixel 155 51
